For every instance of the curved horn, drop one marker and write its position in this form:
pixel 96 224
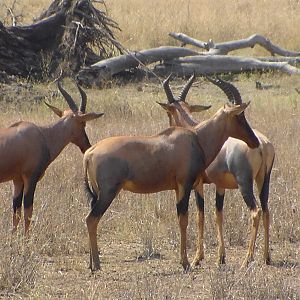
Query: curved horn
pixel 167 89
pixel 186 88
pixel 68 98
pixel 82 106
pixel 229 89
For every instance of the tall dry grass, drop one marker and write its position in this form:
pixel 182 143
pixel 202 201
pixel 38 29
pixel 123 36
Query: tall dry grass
pixel 139 236
pixel 146 24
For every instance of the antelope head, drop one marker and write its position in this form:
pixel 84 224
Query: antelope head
pixel 238 125
pixel 178 110
pixel 74 119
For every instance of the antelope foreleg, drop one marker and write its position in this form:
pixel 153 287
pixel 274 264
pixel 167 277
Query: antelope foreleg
pixel 255 217
pixel 263 187
pixel 266 222
pixel 17 204
pixel 183 222
pixel 246 189
pixel 29 189
pixel 200 223
pixel 219 221
pixel 182 212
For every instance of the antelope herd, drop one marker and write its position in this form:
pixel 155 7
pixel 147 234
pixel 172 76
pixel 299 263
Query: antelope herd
pixel 223 150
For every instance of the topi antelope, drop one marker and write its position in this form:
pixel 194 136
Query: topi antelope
pixel 236 166
pixel 177 157
pixel 27 150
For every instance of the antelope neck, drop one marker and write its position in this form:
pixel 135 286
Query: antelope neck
pixel 184 118
pixel 212 135
pixel 57 136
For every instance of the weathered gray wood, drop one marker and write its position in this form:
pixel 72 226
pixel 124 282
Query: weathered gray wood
pixel 294 61
pixel 211 64
pixel 105 69
pixel 226 47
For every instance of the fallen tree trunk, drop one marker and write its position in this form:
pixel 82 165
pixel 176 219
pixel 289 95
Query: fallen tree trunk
pixel 209 65
pixel 105 69
pixel 172 60
pixel 294 61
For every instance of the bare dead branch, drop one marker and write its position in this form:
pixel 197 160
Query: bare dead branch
pixel 225 48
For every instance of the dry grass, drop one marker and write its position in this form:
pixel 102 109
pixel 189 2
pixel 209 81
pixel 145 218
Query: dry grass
pixel 146 24
pixel 138 236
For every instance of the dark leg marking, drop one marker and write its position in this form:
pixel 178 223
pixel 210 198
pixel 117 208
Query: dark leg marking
pixel 219 201
pixel 104 200
pixel 28 197
pixel 183 204
pixel 247 193
pixel 199 201
pixel 220 194
pixel 17 201
pixel 264 194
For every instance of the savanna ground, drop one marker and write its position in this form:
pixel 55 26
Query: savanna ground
pixel 139 236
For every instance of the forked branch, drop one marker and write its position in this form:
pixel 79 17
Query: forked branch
pixel 225 48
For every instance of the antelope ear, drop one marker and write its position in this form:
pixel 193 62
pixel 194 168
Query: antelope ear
pixel 236 109
pixel 90 116
pixel 199 108
pixel 164 106
pixel 56 110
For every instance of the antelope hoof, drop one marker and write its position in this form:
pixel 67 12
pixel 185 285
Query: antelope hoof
pixel 186 267
pixel 268 260
pixel 96 265
pixel 247 261
pixel 96 268
pixel 195 263
pixel 197 259
pixel 221 259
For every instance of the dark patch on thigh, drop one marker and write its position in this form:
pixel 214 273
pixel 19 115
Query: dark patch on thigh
pixel 113 171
